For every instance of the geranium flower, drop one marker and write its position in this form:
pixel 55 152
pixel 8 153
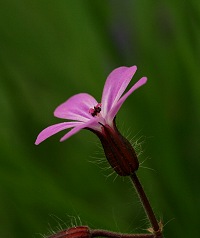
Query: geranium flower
pixel 87 113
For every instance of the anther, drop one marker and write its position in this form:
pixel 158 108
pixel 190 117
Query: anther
pixel 97 109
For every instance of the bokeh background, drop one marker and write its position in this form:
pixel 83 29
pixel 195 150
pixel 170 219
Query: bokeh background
pixel 50 50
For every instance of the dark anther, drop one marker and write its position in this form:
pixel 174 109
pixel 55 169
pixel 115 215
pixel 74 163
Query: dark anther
pixel 97 109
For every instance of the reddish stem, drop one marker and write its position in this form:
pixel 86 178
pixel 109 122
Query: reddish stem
pixel 110 234
pixel 147 207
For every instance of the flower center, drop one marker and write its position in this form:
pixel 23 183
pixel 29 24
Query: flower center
pixel 96 110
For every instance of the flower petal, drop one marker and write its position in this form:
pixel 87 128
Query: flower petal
pixel 76 107
pixel 51 130
pixel 93 124
pixel 118 105
pixel 115 85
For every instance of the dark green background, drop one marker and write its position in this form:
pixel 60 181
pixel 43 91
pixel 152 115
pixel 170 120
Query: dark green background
pixel 50 50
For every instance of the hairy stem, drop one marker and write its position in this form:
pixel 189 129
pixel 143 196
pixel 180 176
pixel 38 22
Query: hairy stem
pixel 147 207
pixel 110 234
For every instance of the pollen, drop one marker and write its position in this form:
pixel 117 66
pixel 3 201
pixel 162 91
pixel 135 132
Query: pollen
pixel 96 110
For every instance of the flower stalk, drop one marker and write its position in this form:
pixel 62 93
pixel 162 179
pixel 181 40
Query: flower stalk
pixel 156 228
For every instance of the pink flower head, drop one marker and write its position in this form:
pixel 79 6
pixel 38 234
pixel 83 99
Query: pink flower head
pixel 85 112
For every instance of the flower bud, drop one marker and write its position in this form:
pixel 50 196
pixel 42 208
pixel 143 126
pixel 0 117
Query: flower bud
pixel 73 232
pixel 118 150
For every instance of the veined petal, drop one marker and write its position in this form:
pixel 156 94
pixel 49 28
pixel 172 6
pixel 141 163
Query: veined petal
pixel 118 105
pixel 93 124
pixel 51 130
pixel 76 108
pixel 115 85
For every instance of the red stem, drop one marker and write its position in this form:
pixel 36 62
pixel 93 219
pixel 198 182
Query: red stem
pixel 147 207
pixel 110 234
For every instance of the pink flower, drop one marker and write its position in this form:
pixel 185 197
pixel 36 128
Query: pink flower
pixel 86 113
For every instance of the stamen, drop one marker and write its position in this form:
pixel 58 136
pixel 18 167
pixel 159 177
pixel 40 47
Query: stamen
pixel 96 110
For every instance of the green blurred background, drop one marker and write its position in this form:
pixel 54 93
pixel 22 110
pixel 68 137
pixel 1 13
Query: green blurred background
pixel 50 50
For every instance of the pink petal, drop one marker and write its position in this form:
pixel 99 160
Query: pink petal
pixel 93 124
pixel 51 130
pixel 76 108
pixel 118 105
pixel 115 86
